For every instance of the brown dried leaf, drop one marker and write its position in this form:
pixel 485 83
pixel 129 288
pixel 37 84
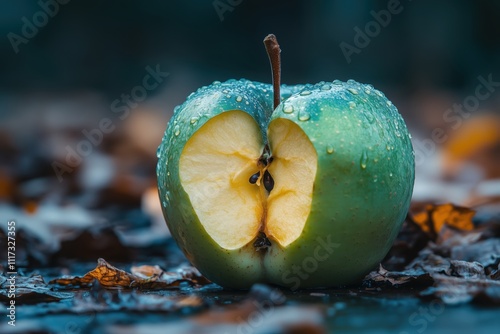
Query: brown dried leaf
pixel 143 277
pixel 146 271
pixel 434 217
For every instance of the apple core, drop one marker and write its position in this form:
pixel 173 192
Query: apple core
pixel 222 157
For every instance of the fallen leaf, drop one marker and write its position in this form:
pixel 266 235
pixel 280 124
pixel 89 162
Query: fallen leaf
pixel 411 277
pixel 29 290
pixel 143 277
pixel 261 312
pixel 434 217
pixel 458 290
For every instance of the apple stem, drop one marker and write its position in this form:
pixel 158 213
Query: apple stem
pixel 273 52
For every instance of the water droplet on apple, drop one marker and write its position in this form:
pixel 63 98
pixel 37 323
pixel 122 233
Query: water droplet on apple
pixel 177 130
pixel 379 93
pixel 329 149
pixel 305 92
pixel 247 103
pixel 216 83
pixel 388 147
pixel 369 116
pixel 353 91
pixel 158 151
pixel 389 103
pixel 225 91
pixel 363 160
pixel 304 116
pixel 194 120
pixel 228 96
pixel 326 87
pixel 176 109
pixel 337 82
pixel 367 91
pixel 409 135
pixel 352 104
pixel 239 98
pixel 288 109
pixel 390 174
pixel 164 204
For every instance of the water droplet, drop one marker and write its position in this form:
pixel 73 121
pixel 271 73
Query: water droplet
pixel 247 103
pixel 351 82
pixel 304 116
pixel 177 130
pixel 388 147
pixel 225 91
pixel 337 82
pixel 239 99
pixel 353 91
pixel 305 92
pixel 398 134
pixel 288 109
pixel 367 91
pixel 176 109
pixel 409 135
pixel 158 151
pixel 216 83
pixel 194 120
pixel 369 116
pixel 228 96
pixel 379 93
pixel 389 103
pixel 264 90
pixel 352 104
pixel 326 87
pixel 363 160
pixel 390 174
pixel 164 204
pixel 329 149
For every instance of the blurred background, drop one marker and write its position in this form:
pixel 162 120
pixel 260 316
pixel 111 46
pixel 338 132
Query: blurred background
pixel 87 89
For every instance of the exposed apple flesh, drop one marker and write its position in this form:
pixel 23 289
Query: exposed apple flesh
pixel 222 156
pixel 294 171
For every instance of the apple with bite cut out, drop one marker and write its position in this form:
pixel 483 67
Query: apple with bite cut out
pixel 300 186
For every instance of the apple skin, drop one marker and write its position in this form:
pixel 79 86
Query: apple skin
pixel 361 192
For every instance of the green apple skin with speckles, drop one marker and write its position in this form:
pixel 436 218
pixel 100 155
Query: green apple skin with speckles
pixel 361 192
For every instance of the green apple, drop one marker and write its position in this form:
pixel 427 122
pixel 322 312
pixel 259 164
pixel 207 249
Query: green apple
pixel 310 192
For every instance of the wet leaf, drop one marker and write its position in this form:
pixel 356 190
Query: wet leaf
pixel 411 277
pixel 260 312
pixel 458 290
pixel 143 277
pixel 29 289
